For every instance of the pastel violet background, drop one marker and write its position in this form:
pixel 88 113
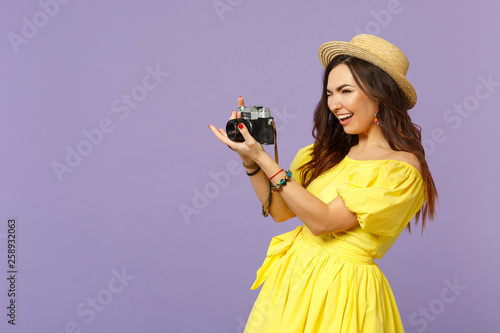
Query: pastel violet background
pixel 156 229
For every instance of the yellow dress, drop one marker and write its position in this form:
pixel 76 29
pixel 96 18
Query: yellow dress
pixel 330 283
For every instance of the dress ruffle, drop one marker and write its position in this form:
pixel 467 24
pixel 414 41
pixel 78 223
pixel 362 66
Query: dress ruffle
pixel 385 195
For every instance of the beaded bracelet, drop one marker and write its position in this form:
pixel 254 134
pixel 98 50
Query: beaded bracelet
pixel 278 187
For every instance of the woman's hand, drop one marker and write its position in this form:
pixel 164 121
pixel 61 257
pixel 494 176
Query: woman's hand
pixel 250 150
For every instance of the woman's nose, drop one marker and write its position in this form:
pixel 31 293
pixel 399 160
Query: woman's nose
pixel 334 103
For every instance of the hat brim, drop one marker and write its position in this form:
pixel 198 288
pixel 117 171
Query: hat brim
pixel 330 50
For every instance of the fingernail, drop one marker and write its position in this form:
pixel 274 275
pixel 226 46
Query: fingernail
pixel 240 126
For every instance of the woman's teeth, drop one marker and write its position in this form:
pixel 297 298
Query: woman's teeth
pixel 345 116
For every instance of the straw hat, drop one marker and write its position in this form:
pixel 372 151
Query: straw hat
pixel 377 51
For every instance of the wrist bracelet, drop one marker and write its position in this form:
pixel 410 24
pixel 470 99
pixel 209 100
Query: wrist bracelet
pixel 278 187
pixel 253 172
pixel 275 174
pixel 249 166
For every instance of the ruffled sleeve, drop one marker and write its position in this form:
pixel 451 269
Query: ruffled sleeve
pixel 385 195
pixel 303 156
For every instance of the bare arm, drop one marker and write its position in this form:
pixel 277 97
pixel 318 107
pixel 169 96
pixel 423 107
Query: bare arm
pixel 321 218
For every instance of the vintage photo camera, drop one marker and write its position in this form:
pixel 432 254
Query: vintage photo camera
pixel 259 122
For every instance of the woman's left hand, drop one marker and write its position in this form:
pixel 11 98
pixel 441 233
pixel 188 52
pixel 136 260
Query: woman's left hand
pixel 250 148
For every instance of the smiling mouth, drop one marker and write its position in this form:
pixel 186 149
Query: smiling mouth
pixel 345 116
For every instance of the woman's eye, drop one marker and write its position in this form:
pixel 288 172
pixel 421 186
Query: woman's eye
pixel 345 91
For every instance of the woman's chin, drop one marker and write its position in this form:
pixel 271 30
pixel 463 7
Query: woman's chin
pixel 355 130
pixel 350 130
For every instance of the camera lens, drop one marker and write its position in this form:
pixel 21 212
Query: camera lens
pixel 232 130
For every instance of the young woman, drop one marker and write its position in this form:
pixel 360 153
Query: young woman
pixel 355 189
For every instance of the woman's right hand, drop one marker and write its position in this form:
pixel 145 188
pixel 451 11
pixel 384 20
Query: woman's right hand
pixel 250 147
pixel 244 159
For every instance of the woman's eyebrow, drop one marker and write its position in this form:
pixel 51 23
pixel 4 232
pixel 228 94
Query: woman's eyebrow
pixel 339 88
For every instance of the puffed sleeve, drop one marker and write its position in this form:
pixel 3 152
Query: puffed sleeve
pixel 303 156
pixel 385 196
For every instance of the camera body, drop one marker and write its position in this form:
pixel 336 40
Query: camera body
pixel 259 122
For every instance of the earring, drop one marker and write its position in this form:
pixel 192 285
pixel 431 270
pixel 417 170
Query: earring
pixel 377 121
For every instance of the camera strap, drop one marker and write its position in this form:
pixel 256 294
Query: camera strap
pixel 267 205
pixel 275 133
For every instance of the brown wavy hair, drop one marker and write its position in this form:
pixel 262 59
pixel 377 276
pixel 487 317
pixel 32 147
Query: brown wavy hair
pixel 332 144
